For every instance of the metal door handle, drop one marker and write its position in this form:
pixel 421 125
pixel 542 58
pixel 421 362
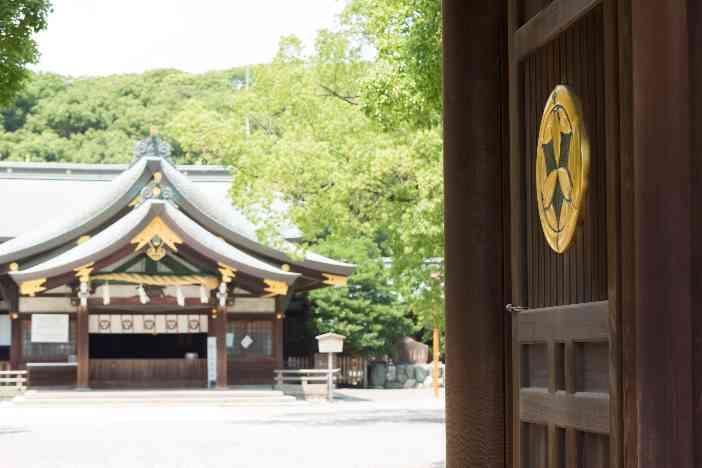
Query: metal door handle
pixel 515 309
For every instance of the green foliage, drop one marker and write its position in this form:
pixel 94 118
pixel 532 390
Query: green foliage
pixel 368 311
pixel 405 86
pixel 297 134
pixel 97 120
pixel 340 175
pixel 19 21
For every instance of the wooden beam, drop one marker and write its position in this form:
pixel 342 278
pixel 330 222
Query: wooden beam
pixel 134 301
pixel 517 231
pixel 222 358
pixel 475 154
pixel 70 277
pixel 16 355
pixel 582 411
pixel 547 24
pixel 243 280
pixel 588 320
pixel 617 151
pixel 10 294
pixel 662 222
pixel 695 39
pixel 83 348
pixel 217 328
pixel 278 329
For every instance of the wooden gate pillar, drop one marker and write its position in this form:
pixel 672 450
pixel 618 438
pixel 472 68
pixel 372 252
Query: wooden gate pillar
pixel 475 155
pixel 658 365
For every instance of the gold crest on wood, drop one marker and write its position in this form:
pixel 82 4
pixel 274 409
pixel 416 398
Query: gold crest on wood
pixel 562 168
pixel 157 235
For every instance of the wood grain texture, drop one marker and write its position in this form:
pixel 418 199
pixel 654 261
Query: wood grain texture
pixel 615 249
pixel 148 373
pixel 83 348
pixel 52 377
pixel 695 39
pixel 548 23
pixel 475 72
pixel 575 58
pixel 529 8
pixel 579 322
pixel 662 223
pixel 582 411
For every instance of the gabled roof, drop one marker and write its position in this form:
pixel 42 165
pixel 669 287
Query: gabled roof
pixel 151 187
pixel 32 193
pixel 76 218
pixel 122 232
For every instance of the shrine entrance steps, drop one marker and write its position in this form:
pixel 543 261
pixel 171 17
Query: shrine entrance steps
pixel 242 398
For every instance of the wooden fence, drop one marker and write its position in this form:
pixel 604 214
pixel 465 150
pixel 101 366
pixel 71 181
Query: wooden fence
pixel 12 382
pixel 354 369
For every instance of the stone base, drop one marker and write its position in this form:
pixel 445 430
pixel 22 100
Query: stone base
pixel 412 376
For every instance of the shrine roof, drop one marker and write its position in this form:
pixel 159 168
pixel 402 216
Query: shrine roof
pixel 122 233
pixel 46 209
pixel 32 193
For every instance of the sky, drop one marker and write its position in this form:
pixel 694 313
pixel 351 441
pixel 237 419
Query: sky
pixel 102 37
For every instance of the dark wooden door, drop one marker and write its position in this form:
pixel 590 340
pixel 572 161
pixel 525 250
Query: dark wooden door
pixel 561 338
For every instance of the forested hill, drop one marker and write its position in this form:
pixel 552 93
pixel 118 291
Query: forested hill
pixel 95 120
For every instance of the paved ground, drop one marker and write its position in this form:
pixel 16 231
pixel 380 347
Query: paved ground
pixel 364 429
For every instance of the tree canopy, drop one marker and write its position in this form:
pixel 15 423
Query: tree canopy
pixel 404 88
pixel 19 21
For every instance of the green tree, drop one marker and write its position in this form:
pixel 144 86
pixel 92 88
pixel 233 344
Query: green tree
pixel 368 312
pixel 405 86
pixel 19 21
pixel 340 174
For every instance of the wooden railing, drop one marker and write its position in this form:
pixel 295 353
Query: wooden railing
pixel 353 369
pixel 304 376
pixel 12 382
pixel 308 380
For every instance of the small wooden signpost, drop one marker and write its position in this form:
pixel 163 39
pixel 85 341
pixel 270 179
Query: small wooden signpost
pixel 330 343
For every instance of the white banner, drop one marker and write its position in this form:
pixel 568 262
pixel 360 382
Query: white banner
pixel 5 333
pixel 50 328
pixel 212 359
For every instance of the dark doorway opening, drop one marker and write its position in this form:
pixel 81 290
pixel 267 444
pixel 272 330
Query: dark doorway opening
pixel 147 346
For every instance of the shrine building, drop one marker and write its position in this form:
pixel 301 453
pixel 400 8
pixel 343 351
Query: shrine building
pixel 144 275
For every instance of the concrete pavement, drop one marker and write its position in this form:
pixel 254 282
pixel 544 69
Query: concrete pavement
pixel 361 429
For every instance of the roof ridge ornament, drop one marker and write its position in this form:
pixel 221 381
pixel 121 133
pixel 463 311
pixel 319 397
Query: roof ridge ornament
pixel 152 147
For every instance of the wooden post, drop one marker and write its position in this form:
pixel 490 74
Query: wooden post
pixel 10 293
pixel 83 348
pixel 664 215
pixel 221 334
pixel 436 372
pixel 475 157
pixel 15 340
pixel 278 332
pixel 330 378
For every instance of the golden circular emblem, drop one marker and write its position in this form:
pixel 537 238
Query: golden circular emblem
pixel 562 167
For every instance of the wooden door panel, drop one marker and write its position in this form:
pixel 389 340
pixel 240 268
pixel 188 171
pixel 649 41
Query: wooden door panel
pixel 561 340
pixel 576 59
